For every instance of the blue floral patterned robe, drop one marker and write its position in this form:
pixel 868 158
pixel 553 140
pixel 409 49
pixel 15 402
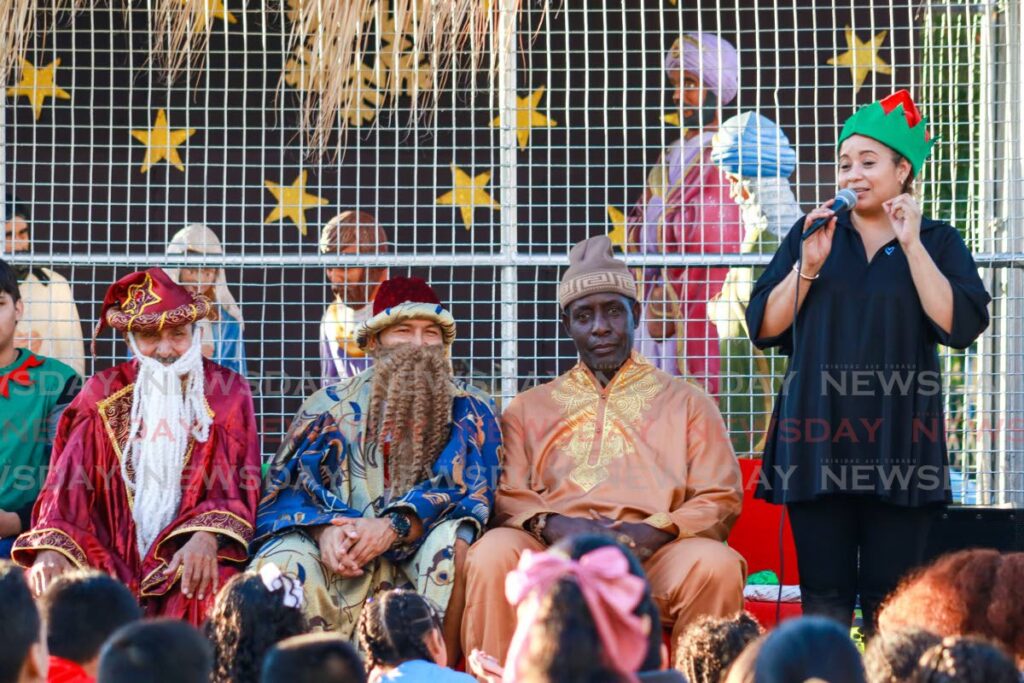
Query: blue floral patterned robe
pixel 326 469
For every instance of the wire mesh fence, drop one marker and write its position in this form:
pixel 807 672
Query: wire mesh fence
pixel 589 130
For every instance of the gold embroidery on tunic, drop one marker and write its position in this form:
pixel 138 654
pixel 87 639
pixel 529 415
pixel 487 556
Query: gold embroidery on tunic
pixel 629 395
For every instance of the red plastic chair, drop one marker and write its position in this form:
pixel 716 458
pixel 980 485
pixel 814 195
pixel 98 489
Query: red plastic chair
pixel 756 537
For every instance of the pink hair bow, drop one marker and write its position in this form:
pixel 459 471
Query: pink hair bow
pixel 611 592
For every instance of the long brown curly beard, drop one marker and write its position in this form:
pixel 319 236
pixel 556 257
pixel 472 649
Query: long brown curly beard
pixel 410 407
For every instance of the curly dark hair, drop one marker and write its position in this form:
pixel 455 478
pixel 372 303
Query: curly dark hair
pixel 892 656
pixel 246 621
pixel 965 660
pixel 709 645
pixel 971 592
pixel 393 628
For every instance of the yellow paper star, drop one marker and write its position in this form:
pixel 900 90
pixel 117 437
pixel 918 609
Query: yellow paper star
pixel 672 119
pixel 468 194
pixel 527 117
pixel 862 57
pixel 37 85
pixel 162 143
pixel 618 232
pixel 293 201
pixel 215 9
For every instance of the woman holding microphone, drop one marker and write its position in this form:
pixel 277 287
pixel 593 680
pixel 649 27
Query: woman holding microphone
pixel 856 449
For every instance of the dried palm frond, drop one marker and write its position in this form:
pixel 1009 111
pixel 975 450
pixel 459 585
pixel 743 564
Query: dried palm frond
pixel 18 17
pixel 181 32
pixel 349 53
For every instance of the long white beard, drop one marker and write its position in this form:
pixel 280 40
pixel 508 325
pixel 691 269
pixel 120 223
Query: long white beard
pixel 770 205
pixel 157 455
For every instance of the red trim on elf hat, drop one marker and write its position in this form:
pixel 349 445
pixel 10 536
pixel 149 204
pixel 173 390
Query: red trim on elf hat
pixel 910 111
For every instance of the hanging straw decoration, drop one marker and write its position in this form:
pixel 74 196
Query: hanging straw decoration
pixel 349 56
pixel 180 32
pixel 18 17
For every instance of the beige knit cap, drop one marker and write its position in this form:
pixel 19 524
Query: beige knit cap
pixel 592 269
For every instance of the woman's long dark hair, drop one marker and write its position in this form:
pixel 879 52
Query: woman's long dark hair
pixel 245 622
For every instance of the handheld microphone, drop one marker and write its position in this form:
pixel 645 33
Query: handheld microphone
pixel 844 201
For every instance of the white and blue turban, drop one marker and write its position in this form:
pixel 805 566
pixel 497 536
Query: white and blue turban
pixel 713 59
pixel 751 145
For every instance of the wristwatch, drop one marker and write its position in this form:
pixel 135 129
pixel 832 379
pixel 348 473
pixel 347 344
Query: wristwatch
pixel 401 526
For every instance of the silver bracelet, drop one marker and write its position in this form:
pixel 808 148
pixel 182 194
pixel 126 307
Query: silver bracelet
pixel 805 277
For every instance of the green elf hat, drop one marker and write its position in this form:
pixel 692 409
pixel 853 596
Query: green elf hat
pixel 895 122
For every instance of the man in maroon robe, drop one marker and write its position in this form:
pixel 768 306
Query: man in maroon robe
pixel 155 470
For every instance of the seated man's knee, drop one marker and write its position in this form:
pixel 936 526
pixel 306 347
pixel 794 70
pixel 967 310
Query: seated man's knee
pixel 497 549
pixel 722 562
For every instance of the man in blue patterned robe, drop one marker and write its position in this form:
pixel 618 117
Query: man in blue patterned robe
pixel 385 478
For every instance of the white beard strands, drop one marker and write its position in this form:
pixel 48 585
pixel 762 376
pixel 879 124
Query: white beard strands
pixel 770 205
pixel 157 455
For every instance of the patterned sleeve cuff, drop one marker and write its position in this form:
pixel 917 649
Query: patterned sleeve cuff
pixel 663 521
pixel 520 520
pixel 38 540
pixel 226 525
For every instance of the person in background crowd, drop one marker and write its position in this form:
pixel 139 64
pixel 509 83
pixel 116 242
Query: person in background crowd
pixel 856 449
pixel 808 648
pixel 82 609
pixel 23 654
pixel 757 159
pixel 967 593
pixel 253 612
pixel 385 479
pixel 614 446
pixel 34 391
pixel 155 469
pixel 710 645
pixel 50 325
pixel 156 651
pixel 222 329
pixel 353 289
pixel 577 619
pixel 313 658
pixel 686 209
pixel 400 632
pixel 965 660
pixel 892 656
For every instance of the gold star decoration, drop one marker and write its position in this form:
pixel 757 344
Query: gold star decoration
pixel 215 9
pixel 162 143
pixel 292 201
pixel 37 85
pixel 672 119
pixel 618 232
pixel 527 117
pixel 862 57
pixel 468 194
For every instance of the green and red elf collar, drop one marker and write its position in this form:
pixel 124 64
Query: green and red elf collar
pixel 895 122
pixel 18 374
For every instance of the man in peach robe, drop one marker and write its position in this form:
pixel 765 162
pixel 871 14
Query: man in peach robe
pixel 614 446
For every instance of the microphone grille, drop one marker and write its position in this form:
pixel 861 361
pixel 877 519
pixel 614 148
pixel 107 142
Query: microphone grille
pixel 848 197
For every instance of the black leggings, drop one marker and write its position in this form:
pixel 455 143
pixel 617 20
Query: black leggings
pixel 847 545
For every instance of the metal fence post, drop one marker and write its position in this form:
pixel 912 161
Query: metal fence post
pixel 506 48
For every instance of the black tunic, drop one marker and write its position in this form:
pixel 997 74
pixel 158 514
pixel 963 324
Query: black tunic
pixel 860 411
